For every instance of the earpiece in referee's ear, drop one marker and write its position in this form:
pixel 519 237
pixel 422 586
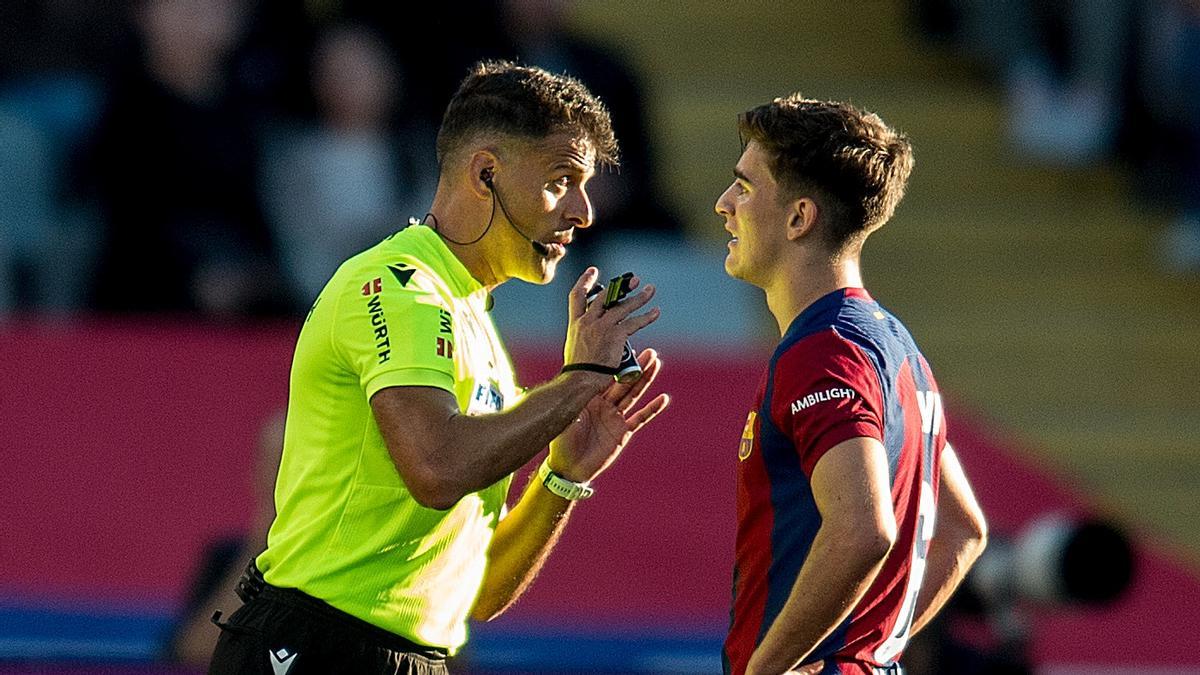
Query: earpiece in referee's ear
pixel 486 176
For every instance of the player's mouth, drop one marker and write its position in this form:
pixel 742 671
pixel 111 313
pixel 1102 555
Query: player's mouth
pixel 733 238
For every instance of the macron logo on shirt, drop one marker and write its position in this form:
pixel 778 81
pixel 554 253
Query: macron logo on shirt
pixel 282 660
pixel 822 396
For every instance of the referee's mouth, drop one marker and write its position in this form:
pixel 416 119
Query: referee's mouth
pixel 556 247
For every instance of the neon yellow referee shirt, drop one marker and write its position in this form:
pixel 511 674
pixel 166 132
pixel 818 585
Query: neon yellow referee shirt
pixel 347 531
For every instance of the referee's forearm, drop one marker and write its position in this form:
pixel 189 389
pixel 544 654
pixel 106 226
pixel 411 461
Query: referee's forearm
pixel 480 450
pixel 519 548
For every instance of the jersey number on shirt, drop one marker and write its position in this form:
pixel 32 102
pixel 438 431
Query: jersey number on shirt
pixel 916 573
pixel 930 404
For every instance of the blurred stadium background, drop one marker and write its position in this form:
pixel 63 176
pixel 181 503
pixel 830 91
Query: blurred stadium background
pixel 176 173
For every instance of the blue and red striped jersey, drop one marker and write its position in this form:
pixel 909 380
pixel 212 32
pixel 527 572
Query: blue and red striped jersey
pixel 846 368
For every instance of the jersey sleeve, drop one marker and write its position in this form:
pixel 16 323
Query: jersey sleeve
pixel 826 390
pixel 393 328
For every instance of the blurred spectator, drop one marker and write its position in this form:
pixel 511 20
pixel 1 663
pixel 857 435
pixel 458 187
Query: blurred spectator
pixel 26 210
pixel 1088 78
pixel 340 185
pixel 625 199
pixel 1168 91
pixel 1063 63
pixel 436 46
pixel 269 70
pixel 52 55
pixel 163 211
pixel 173 167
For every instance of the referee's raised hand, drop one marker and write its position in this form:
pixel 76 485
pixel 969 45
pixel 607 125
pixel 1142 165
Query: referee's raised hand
pixel 597 335
pixel 605 426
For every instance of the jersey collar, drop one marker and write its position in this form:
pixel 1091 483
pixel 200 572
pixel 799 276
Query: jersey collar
pixel 824 303
pixel 457 275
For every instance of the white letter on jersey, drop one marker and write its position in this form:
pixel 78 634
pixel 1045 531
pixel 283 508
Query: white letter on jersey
pixel 930 404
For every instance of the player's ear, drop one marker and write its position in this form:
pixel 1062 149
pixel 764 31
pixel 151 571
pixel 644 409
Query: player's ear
pixel 801 218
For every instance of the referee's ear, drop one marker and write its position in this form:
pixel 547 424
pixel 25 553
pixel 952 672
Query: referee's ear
pixel 481 169
pixel 801 218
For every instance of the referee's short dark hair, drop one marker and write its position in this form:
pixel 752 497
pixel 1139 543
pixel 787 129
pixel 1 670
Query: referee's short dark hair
pixel 504 98
pixel 849 161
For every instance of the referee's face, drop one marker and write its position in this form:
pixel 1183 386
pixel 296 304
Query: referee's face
pixel 544 191
pixel 754 217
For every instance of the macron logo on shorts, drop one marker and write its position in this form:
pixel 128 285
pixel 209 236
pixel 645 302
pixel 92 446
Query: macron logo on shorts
pixel 282 660
pixel 822 396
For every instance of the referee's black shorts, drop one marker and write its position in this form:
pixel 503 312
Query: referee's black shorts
pixel 281 631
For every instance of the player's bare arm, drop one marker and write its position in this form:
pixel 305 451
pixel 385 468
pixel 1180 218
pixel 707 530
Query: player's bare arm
pixel 589 445
pixel 443 454
pixel 958 542
pixel 850 486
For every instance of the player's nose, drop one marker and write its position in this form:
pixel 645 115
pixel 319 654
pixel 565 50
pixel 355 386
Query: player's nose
pixel 724 205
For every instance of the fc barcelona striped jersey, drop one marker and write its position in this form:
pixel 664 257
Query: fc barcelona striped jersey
pixel 846 368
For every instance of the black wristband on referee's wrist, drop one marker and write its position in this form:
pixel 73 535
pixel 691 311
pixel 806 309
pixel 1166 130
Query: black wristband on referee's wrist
pixel 591 367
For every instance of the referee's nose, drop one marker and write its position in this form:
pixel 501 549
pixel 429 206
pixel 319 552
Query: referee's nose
pixel 578 210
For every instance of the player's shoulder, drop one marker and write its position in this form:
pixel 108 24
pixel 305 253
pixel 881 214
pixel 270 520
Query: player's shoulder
pixel 819 367
pixel 877 330
pixel 841 332
pixel 861 319
pixel 880 334
pixel 824 349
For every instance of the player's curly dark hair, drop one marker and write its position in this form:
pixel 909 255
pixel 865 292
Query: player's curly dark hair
pixel 502 97
pixel 849 161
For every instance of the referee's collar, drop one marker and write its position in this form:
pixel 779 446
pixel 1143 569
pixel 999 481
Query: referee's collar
pixel 456 273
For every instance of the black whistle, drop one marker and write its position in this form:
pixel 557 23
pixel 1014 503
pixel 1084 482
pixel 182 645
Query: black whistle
pixel 628 370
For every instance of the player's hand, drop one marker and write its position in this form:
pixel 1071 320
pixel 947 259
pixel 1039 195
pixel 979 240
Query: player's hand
pixel 594 440
pixel 597 335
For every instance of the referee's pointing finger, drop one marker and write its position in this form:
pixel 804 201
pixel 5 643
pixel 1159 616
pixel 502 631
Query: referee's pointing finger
pixel 577 301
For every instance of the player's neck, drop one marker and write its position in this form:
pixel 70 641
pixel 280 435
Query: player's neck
pixel 804 284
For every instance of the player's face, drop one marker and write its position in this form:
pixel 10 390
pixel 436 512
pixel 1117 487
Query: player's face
pixel 755 217
pixel 543 187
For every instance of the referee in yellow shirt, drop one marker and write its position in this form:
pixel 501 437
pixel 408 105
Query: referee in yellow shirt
pixel 405 423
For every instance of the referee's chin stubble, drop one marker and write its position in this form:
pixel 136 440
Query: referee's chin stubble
pixel 548 264
pixel 538 269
